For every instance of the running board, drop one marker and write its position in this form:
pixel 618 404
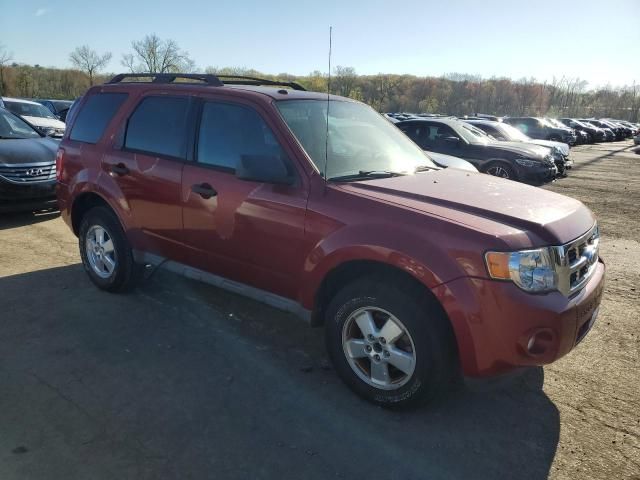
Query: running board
pixel 253 293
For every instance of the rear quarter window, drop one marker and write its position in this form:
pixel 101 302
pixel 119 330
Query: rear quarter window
pixel 95 115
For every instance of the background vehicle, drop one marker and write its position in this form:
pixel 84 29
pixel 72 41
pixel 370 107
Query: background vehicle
pixel 27 165
pixel 535 127
pixel 504 132
pixel 610 135
pixel 58 107
pixel 37 115
pixel 515 161
pixel 323 208
pixel 595 134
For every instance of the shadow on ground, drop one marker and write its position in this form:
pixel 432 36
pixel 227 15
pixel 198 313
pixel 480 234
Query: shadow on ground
pixel 180 380
pixel 13 220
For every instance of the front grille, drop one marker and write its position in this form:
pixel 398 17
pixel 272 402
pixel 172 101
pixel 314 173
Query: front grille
pixel 576 261
pixel 25 173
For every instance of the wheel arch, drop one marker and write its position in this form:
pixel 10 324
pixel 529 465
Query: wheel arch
pixel 85 202
pixel 348 271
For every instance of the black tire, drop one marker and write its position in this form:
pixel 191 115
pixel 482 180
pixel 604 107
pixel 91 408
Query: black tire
pixel 509 172
pixel 429 329
pixel 126 273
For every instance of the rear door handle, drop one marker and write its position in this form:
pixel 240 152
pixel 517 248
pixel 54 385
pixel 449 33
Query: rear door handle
pixel 119 169
pixel 205 190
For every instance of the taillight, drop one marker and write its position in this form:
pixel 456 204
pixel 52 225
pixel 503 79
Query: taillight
pixel 59 163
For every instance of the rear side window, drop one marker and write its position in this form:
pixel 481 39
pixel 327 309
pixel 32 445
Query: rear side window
pixel 95 115
pixel 159 126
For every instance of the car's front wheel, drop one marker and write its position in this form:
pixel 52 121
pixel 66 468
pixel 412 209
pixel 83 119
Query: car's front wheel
pixel 105 251
pixel 388 344
pixel 502 170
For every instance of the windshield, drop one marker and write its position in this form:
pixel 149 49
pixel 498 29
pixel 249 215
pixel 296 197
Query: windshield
pixel 360 140
pixel 29 109
pixel 512 133
pixel 14 127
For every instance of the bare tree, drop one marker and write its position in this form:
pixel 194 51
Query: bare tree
pixel 89 61
pixel 5 58
pixel 155 55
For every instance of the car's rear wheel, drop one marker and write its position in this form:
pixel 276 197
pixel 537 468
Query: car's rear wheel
pixel 389 345
pixel 105 251
pixel 501 170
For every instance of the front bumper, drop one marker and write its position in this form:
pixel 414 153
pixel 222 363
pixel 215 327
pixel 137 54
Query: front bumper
pixel 31 196
pixel 538 175
pixel 495 321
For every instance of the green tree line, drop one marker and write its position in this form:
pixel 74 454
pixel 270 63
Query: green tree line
pixel 452 94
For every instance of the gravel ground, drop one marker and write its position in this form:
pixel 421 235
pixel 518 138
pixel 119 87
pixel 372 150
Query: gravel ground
pixel 181 380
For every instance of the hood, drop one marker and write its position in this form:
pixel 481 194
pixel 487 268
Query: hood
pixel 28 150
pixel 523 216
pixel 447 161
pixel 44 122
pixel 563 147
pixel 521 148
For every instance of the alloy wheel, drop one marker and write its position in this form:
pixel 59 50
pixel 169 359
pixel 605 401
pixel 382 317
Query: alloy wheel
pixel 379 348
pixel 100 251
pixel 498 171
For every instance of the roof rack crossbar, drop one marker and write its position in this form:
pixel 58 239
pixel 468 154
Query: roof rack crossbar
pixel 169 77
pixel 243 80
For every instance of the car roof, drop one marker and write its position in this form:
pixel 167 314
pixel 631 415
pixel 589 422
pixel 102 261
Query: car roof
pixel 19 100
pixel 276 93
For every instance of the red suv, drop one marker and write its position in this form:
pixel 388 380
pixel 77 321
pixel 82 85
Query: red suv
pixel 320 206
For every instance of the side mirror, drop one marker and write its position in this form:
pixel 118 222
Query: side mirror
pixel 264 168
pixel 453 140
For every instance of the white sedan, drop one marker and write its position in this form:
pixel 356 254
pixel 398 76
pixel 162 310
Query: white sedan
pixel 37 115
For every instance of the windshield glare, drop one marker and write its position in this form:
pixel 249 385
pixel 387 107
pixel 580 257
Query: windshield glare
pixel 512 133
pixel 470 133
pixel 13 127
pixel 360 140
pixel 29 109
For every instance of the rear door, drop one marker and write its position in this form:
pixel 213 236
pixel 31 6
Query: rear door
pixel 146 164
pixel 243 230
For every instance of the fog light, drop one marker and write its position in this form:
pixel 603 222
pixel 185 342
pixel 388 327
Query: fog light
pixel 539 343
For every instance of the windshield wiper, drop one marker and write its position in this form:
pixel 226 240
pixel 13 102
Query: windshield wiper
pixel 366 175
pixel 424 168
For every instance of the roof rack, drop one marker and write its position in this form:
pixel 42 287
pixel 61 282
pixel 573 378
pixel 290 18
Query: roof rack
pixel 206 78
pixel 168 78
pixel 242 80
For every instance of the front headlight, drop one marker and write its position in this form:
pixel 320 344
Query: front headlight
pixel 527 162
pixel 531 270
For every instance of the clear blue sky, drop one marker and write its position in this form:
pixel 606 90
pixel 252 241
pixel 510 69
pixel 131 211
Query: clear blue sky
pixel 597 40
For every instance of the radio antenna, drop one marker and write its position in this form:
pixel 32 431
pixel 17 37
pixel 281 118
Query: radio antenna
pixel 326 137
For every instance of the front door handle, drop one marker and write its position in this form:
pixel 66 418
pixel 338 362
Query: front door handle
pixel 119 169
pixel 205 190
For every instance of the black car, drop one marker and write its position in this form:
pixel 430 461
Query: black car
pixel 508 133
pixel 516 161
pixel 536 127
pixel 595 134
pixel 57 107
pixel 618 132
pixel 27 165
pixel 609 134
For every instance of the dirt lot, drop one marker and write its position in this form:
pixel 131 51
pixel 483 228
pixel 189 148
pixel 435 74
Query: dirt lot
pixel 180 380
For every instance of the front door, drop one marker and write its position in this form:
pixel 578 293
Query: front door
pixel 246 231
